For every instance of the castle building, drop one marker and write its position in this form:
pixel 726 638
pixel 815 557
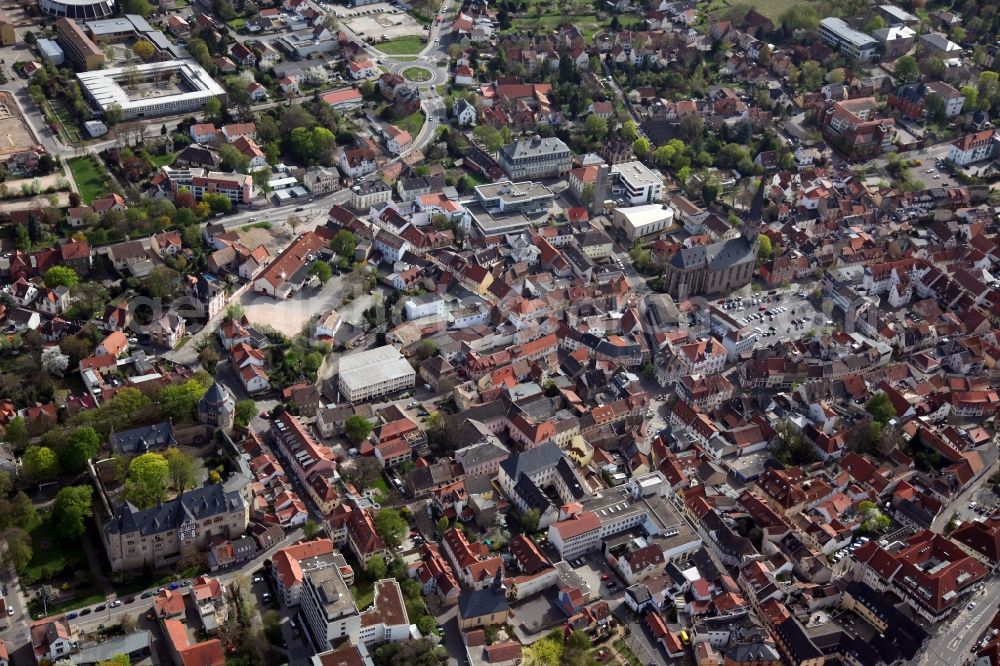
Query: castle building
pixel 217 407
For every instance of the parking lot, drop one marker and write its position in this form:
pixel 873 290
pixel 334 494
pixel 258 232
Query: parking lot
pixel 388 23
pixel 775 316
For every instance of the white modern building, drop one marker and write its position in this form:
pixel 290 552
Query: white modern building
pixel 641 221
pixel 328 606
pixel 151 89
pixel 637 183
pixel 853 43
pixel 425 305
pixel 375 372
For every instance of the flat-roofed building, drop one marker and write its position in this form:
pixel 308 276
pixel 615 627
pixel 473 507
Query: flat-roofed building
pixel 373 373
pixel 328 607
pixel 158 88
pixel 641 221
pixel 636 182
pixel 505 196
pixel 77 46
pixel 850 42
pixel 499 223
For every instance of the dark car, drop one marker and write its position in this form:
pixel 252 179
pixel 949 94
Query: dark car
pixel 130 600
pixel 147 594
pixel 85 611
pixel 100 608
pixel 72 616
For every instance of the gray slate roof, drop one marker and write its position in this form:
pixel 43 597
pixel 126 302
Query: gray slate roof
pixel 191 506
pixel 140 440
pixel 533 460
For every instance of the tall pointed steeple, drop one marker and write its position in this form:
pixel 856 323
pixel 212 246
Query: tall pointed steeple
pixel 751 226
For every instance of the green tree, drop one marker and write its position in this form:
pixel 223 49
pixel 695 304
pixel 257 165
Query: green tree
pixel 343 244
pixel 322 271
pixel 246 411
pixel 391 526
pixel 766 251
pixel 907 69
pixel 147 480
pixel 971 95
pixel 72 507
pixel 213 109
pixel 144 49
pixel 16 511
pixel 881 409
pixel 490 139
pixel 630 130
pixel 546 652
pixel 301 144
pixel 442 525
pixel 310 529
pixel 82 445
pixel 16 433
pixel 40 463
pixel 529 520
pixel 140 7
pixel 180 401
pixel 181 468
pixel 357 428
pixel 375 569
pixel 219 203
pixel 117 660
pixel 61 276
pixel 17 548
pixel 641 146
pixel 596 127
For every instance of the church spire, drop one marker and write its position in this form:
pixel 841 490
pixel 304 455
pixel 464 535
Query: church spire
pixel 751 226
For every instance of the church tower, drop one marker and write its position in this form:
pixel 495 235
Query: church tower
pixel 751 226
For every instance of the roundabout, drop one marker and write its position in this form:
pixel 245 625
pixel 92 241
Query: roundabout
pixel 417 74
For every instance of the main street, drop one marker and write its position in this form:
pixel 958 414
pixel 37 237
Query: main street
pixel 953 642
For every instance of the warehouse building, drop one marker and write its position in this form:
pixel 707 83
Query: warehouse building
pixel 373 373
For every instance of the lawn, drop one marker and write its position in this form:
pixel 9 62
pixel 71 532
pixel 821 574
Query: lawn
pixel 363 591
pixel 163 160
pixel 405 58
pixel 408 45
pixel 772 10
pixel 418 74
pixel 89 177
pixel 412 123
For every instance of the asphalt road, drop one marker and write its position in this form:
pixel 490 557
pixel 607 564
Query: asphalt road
pixel 140 606
pixel 953 642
